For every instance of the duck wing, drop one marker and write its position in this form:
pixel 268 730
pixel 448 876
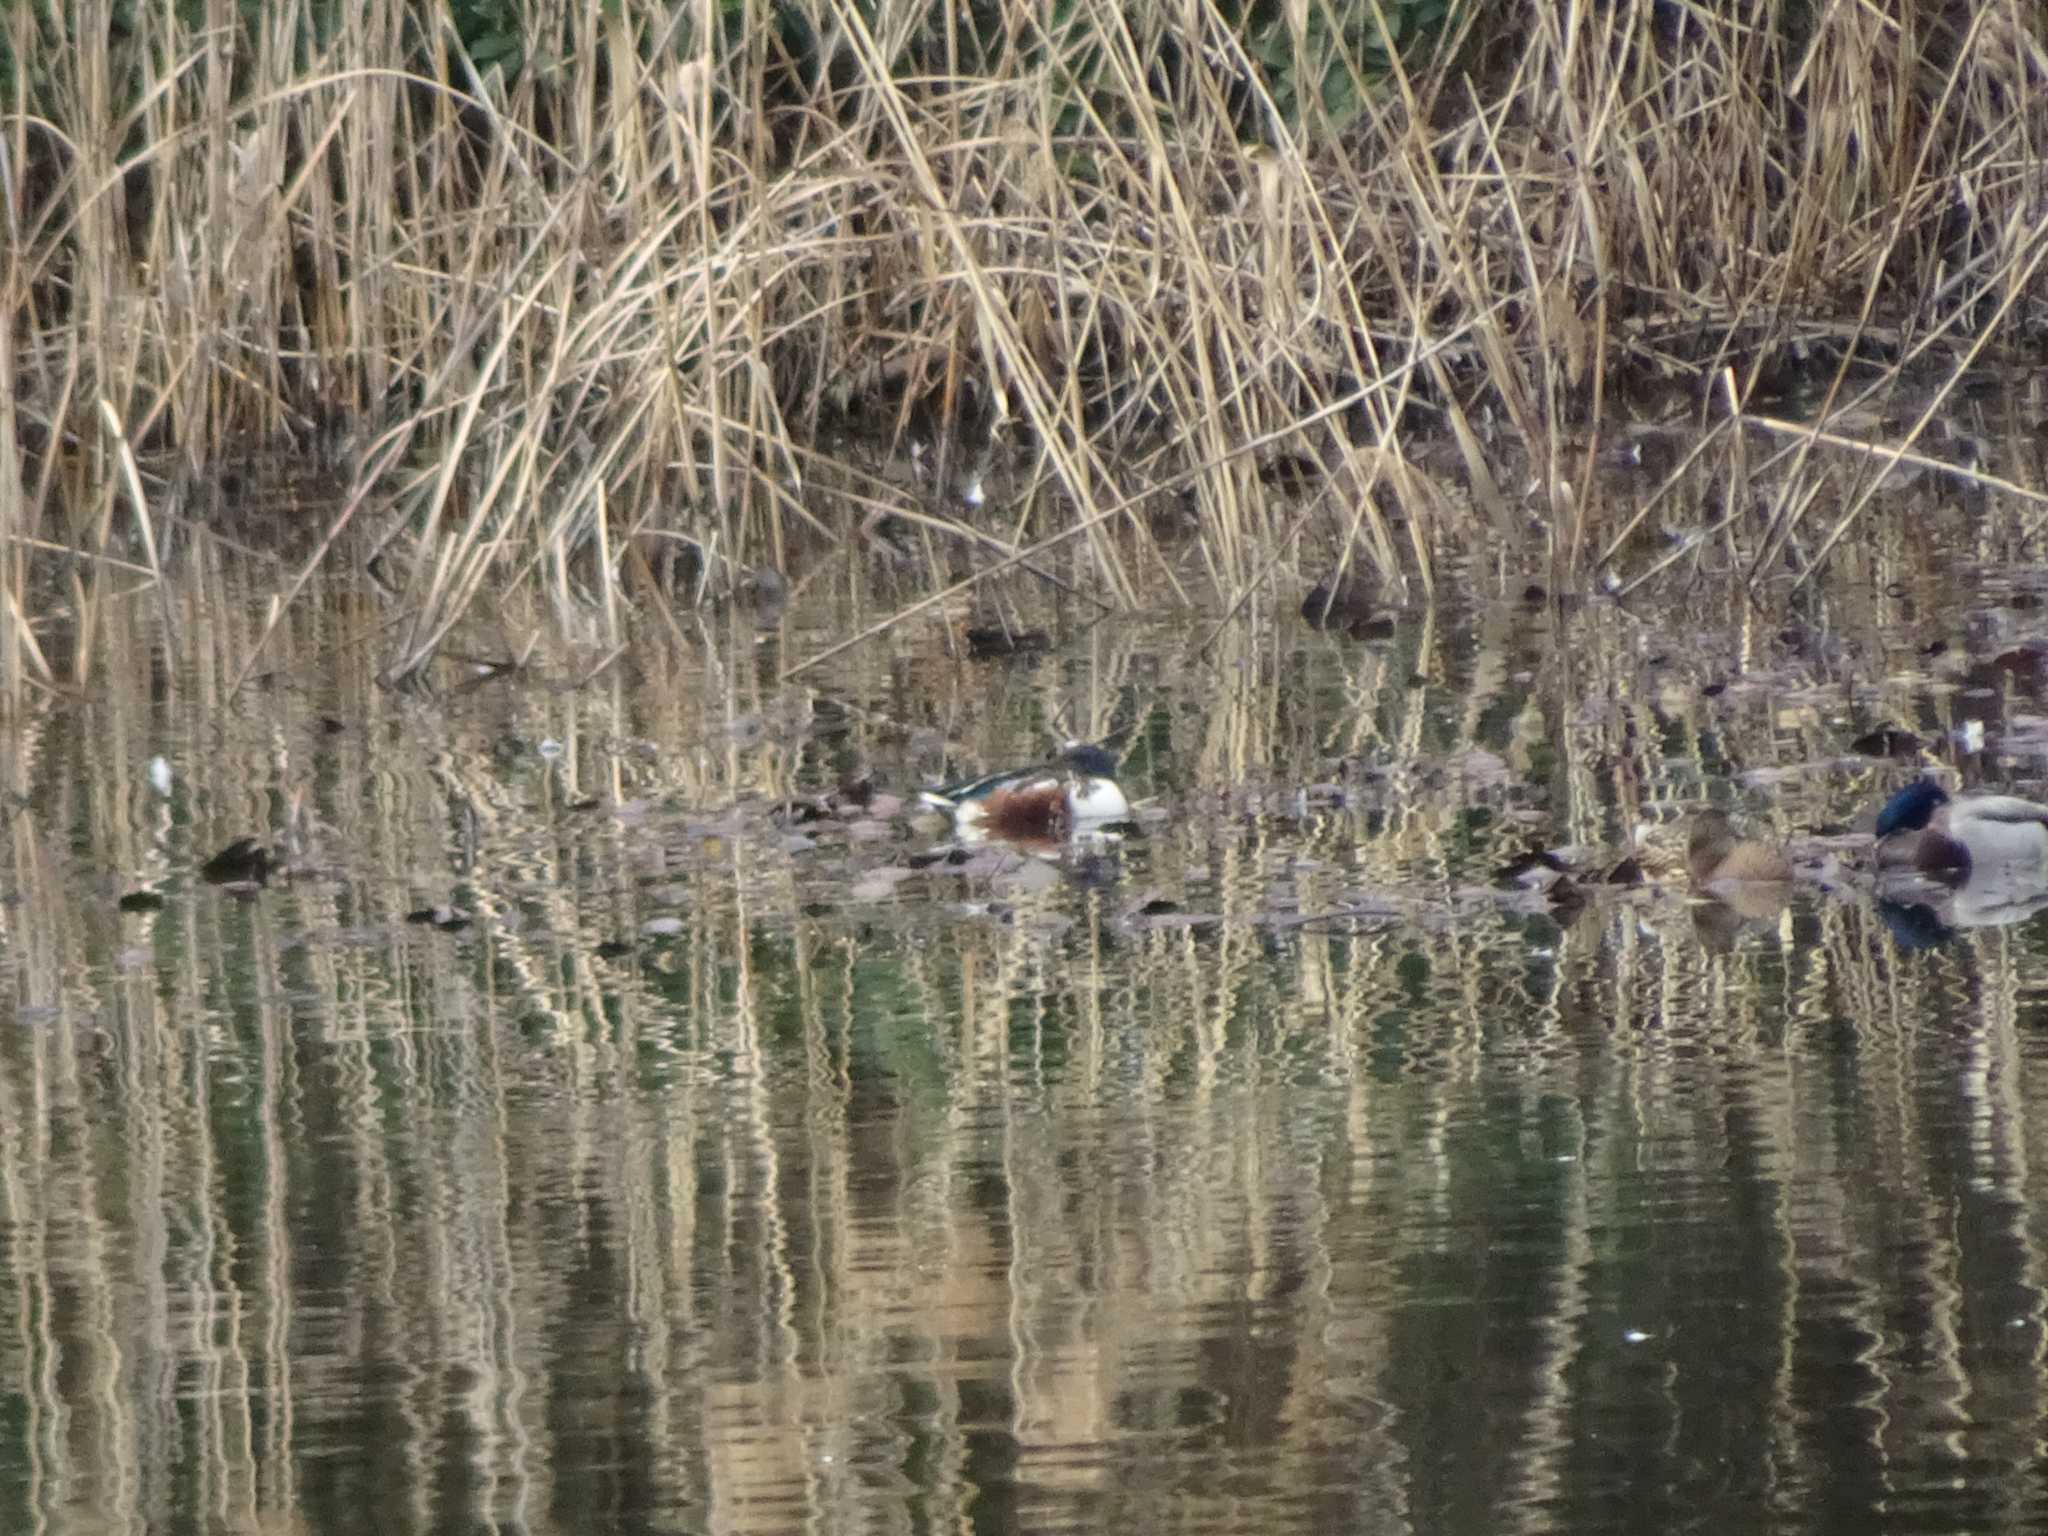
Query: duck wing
pixel 947 796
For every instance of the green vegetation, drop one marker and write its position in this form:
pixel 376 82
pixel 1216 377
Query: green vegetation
pixel 542 301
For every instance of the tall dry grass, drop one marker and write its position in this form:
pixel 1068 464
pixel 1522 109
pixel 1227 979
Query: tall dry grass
pixel 533 326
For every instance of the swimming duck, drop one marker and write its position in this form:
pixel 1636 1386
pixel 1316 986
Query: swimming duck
pixel 1715 852
pixel 1046 801
pixel 1922 828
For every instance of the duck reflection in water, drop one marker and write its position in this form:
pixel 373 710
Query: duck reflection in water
pixel 1990 900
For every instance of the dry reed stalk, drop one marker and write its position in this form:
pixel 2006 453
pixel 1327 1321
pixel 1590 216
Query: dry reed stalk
pixel 18 646
pixel 639 291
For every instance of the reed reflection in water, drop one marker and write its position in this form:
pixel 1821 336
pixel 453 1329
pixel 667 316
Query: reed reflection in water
pixel 1138 1200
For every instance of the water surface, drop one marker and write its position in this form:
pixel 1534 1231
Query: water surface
pixel 736 1168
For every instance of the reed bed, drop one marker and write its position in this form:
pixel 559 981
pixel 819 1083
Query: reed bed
pixel 655 283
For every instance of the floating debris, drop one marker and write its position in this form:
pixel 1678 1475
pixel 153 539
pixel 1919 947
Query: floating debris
pixel 989 643
pixel 1887 741
pixel 447 919
pixel 244 862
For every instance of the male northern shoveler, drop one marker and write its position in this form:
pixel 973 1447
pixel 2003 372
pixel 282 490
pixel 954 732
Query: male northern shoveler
pixel 1045 802
pixel 1923 828
pixel 1716 853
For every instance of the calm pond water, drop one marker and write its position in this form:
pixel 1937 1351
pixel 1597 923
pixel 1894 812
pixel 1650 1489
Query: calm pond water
pixel 737 1168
